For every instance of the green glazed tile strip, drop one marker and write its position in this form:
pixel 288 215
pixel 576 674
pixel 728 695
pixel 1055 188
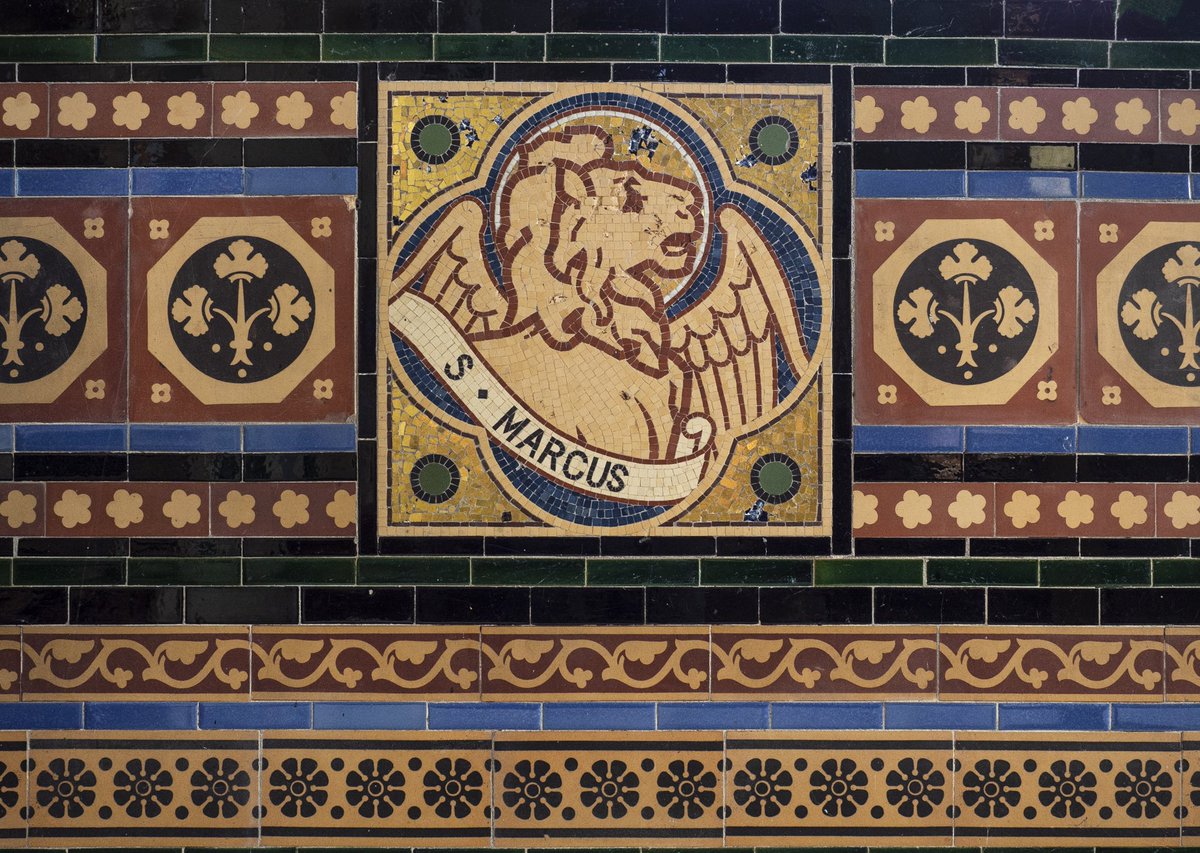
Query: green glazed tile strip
pixel 585 47
pixel 289 48
pixel 716 48
pixel 47 48
pixel 1143 54
pixel 189 571
pixel 941 52
pixel 978 572
pixel 163 48
pixel 361 47
pixel 1094 572
pixel 1074 54
pixel 311 570
pixel 868 572
pixel 827 49
pixel 1180 572
pixel 639 572
pixel 414 570
pixel 755 572
pixel 495 48
pixel 68 571
pixel 508 571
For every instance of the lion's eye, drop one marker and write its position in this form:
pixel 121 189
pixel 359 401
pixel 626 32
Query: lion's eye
pixel 633 199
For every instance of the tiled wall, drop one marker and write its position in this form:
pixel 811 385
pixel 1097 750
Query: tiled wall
pixel 268 579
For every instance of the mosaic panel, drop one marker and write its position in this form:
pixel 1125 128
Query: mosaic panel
pixel 1140 265
pixel 62 284
pixel 604 308
pixel 245 309
pixel 967 312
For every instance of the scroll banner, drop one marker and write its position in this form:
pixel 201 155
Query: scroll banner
pixel 537 444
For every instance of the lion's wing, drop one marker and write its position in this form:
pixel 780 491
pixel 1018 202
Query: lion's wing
pixel 449 270
pixel 726 342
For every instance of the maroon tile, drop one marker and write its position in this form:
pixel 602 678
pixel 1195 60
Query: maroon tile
pixel 23 509
pixel 1073 115
pixel 62 267
pixel 966 312
pixel 126 509
pixel 243 309
pixel 923 509
pixel 136 663
pixel 10 664
pixel 23 109
pixel 1106 510
pixel 284 509
pixel 1180 112
pixel 155 110
pixel 1140 266
pixel 285 109
pixel 806 663
pixel 1183 664
pixel 931 112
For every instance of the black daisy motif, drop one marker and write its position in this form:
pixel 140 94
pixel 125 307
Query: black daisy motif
pixel 220 787
pixel 762 789
pixel 142 788
pixel 991 789
pixel 1143 788
pixel 532 790
pixel 839 788
pixel 375 788
pixel 452 788
pixel 1068 788
pixel 608 789
pixel 298 787
pixel 686 789
pixel 915 787
pixel 65 788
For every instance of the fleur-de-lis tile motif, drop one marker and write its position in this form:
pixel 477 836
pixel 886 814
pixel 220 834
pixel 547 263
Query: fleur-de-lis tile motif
pixel 37 304
pixel 239 110
pixel 184 110
pixel 344 110
pixel 19 111
pixel 293 110
pixel 1148 311
pixel 867 114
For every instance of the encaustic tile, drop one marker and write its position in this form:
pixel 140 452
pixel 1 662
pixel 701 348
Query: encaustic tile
pixel 966 312
pixel 243 309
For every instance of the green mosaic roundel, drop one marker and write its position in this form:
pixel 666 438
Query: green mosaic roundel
pixel 775 478
pixel 434 139
pixel 434 478
pixel 774 140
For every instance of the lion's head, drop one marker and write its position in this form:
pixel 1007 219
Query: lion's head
pixel 593 245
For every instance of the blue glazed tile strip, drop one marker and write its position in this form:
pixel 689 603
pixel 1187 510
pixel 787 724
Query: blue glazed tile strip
pixel 713 715
pixel 826 715
pixel 302 180
pixel 299 438
pixel 140 715
pixel 6 438
pixel 73 182
pixel 993 439
pixel 908 439
pixel 1053 716
pixel 1141 440
pixel 185 438
pixel 8 182
pixel 902 184
pixel 369 715
pixel 70 438
pixel 1135 185
pixel 191 181
pixel 602 716
pixel 1022 185
pixel 255 715
pixel 41 715
pixel 1156 718
pixel 939 715
pixel 485 715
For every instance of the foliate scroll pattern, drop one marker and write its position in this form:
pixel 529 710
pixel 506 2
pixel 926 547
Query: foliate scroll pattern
pixel 805 660
pixel 406 664
pixel 662 660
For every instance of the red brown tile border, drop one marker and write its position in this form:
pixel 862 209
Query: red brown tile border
pixel 1044 114
pixel 167 110
pixel 99 509
pixel 513 664
pixel 1039 510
